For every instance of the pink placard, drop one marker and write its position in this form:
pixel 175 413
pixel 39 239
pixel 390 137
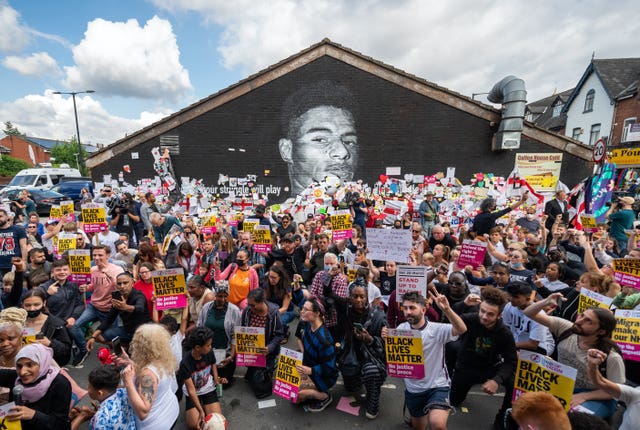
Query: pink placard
pixel 94 228
pixel 472 253
pixel 177 301
pixel 251 360
pixel 627 280
pixel 630 351
pixel 79 278
pixel 342 234
pixel 286 391
pixel 208 230
pixel 408 371
pixel 261 248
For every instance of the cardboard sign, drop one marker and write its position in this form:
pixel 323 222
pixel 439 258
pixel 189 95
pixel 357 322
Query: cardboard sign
pixel 341 225
pixel 411 278
pixel 626 272
pixel 66 242
pixel 249 224
pixel 66 207
pixel 248 339
pixel 627 333
pixel 472 253
pixel 590 298
pixel 80 266
pixel 209 224
pixel 55 213
pixel 287 382
pixel 262 238
pixel 589 224
pixel 389 244
pixel 169 288
pixel 405 357
pixel 536 372
pixel 94 218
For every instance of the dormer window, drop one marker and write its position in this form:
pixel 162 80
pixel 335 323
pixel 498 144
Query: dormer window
pixel 557 109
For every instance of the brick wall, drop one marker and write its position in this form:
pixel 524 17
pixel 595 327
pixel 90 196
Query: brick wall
pixel 20 149
pixel 626 108
pixel 395 127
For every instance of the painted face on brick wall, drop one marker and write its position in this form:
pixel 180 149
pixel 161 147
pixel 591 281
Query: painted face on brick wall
pixel 325 144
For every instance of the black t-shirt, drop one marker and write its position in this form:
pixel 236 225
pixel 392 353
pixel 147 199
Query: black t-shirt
pixel 387 283
pixel 199 371
pixel 10 244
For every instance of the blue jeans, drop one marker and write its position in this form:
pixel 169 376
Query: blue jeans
pixel 602 408
pixel 90 314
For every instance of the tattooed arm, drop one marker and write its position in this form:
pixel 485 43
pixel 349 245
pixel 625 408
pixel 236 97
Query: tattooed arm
pixel 142 394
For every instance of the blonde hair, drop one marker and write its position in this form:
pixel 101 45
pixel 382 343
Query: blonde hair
pixel 13 318
pixel 8 278
pixel 151 346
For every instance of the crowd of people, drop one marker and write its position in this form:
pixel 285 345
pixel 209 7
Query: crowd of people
pixel 336 301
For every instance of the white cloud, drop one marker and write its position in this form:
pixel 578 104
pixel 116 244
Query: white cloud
pixel 36 64
pixel 51 116
pixel 466 45
pixel 123 58
pixel 13 36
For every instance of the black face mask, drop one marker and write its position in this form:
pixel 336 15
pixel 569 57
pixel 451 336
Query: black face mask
pixel 34 314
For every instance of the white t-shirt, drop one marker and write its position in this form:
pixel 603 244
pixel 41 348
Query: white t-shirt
pixel 524 328
pixel 176 345
pixel 631 417
pixel 108 239
pixel 434 337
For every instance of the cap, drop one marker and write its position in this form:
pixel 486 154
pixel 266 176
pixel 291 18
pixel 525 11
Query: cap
pixel 52 221
pixel 287 238
pixel 261 208
pixel 627 200
pixel 309 216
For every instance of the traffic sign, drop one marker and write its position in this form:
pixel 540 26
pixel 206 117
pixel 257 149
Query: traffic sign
pixel 599 151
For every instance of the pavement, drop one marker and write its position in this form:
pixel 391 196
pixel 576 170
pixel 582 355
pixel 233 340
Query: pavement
pixel 244 411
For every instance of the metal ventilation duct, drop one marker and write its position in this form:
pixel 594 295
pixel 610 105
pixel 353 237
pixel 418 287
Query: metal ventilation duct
pixel 511 92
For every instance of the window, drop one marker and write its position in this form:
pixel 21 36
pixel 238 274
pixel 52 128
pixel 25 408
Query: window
pixel 595 134
pixel 625 127
pixel 588 101
pixel 557 109
pixel 577 132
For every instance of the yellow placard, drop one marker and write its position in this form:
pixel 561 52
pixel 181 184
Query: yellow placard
pixel 5 423
pixel 627 333
pixel 627 266
pixel 341 222
pixel 80 262
pixel 210 221
pixel 352 271
pixel 536 372
pixel 249 342
pixel 287 380
pixel 55 212
pixel 168 282
pixel 590 299
pixel 94 215
pixel 66 242
pixel 589 223
pixel 262 236
pixel 249 225
pixel 66 207
pixel 541 170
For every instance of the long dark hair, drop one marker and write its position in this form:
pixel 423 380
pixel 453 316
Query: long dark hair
pixel 280 290
pixel 607 322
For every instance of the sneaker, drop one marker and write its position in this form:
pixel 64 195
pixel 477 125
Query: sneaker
pixel 78 360
pixel 371 415
pixel 320 405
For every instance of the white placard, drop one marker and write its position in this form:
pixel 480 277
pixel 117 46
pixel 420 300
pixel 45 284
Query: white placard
pixel 411 278
pixel 389 244
pixel 393 171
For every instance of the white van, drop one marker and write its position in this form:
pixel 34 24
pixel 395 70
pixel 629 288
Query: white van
pixel 43 178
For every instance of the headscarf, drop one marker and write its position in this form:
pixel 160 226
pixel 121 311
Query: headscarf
pixel 42 355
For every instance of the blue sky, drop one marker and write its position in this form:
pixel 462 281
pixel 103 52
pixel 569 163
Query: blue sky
pixel 147 59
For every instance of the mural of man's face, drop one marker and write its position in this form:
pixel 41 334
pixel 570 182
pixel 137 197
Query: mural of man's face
pixel 325 144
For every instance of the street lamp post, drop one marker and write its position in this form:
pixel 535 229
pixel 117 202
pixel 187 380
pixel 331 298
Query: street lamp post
pixel 75 112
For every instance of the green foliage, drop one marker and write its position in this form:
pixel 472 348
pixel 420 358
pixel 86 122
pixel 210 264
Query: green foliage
pixel 10 130
pixel 10 166
pixel 66 153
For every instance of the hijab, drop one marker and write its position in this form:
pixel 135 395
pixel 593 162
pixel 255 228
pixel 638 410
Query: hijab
pixel 42 355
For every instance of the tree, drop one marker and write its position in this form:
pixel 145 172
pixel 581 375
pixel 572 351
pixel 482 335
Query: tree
pixel 10 166
pixel 11 130
pixel 65 152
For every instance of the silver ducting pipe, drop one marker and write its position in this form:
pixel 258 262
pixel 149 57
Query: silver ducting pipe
pixel 511 92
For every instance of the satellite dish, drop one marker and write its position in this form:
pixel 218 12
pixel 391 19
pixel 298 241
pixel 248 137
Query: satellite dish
pixel 32 155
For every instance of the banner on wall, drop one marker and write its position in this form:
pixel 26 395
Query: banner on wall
pixel 540 170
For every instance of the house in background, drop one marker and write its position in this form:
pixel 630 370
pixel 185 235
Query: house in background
pixel 604 101
pixel 26 149
pixel 547 112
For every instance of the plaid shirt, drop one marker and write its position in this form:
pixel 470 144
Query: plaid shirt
pixel 339 286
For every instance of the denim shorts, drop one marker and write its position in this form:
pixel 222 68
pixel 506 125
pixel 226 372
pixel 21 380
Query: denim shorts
pixel 419 404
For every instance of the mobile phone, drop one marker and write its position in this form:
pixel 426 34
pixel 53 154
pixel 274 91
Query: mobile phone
pixel 358 327
pixel 116 295
pixel 341 258
pixel 39 335
pixel 117 345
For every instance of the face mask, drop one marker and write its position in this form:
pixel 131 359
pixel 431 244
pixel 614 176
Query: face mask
pixel 34 314
pixel 531 217
pixel 517 265
pixel 327 268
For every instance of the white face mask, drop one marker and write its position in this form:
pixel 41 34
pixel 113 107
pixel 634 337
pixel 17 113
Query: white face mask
pixel 531 217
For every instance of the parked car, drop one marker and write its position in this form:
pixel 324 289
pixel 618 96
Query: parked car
pixel 72 190
pixel 43 199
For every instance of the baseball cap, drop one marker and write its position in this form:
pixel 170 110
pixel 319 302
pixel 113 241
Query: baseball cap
pixel 288 238
pixel 261 208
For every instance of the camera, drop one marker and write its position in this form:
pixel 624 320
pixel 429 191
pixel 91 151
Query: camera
pixel 117 205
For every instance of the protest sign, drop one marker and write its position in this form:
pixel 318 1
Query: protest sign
pixel 66 242
pixel 341 225
pixel 472 253
pixel 589 224
pixel 94 217
pixel 627 333
pixel 411 278
pixel 169 288
pixel 352 271
pixel 66 207
pixel 209 223
pixel 28 336
pixel 5 423
pixel 261 238
pixel 590 298
pixel 172 236
pixel 55 212
pixel 248 340
pixel 80 266
pixel 626 272
pixel 389 244
pixel 405 358
pixel 536 372
pixel 540 170
pixel 287 382
pixel 249 224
